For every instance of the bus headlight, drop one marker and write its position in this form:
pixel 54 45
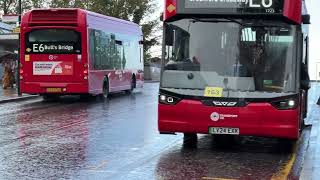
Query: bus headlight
pixel 285 104
pixel 169 100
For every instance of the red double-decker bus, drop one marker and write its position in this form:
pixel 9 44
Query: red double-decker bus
pixel 234 68
pixel 73 51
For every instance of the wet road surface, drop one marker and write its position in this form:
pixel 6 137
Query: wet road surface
pixel 118 139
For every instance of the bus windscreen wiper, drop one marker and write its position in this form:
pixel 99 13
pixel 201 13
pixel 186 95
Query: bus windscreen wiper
pixel 216 20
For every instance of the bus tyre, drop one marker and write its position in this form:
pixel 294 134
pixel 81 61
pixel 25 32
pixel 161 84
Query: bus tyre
pixel 105 89
pixel 133 85
pixel 190 140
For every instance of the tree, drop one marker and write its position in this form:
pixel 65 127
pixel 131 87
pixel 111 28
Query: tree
pixel 11 6
pixel 137 11
pixel 6 6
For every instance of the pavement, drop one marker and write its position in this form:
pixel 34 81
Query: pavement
pixel 10 95
pixel 311 167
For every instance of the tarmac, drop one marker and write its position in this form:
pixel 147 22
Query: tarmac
pixel 311 165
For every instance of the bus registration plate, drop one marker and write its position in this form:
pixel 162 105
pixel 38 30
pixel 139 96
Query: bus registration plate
pixel 54 90
pixel 223 130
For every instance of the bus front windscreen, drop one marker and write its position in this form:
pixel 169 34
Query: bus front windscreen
pixel 53 41
pixel 247 59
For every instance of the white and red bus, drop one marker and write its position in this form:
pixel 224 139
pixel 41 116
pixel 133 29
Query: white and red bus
pixel 73 51
pixel 234 68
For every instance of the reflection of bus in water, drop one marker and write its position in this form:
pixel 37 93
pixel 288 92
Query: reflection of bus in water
pixel 73 51
pixel 47 143
pixel 234 68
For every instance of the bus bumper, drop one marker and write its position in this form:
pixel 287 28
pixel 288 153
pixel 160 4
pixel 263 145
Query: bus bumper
pixel 256 119
pixel 53 88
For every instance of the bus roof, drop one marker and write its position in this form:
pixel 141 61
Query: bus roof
pixel 115 24
pixel 290 10
pixel 77 17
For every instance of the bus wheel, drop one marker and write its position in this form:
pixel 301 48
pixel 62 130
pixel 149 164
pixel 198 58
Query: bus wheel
pixel 133 85
pixel 190 140
pixel 105 89
pixel 50 97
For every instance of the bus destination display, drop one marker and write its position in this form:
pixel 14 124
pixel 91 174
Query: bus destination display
pixel 236 6
pixel 55 48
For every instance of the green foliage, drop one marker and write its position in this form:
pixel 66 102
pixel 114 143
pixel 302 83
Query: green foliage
pixel 137 11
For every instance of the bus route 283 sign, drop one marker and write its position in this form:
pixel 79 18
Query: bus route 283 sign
pixel 234 6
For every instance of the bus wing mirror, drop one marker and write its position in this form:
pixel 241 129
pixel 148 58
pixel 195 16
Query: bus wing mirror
pixel 168 35
pixel 161 17
pixel 306 19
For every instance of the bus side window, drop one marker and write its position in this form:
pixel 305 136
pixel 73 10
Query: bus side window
pixel 92 46
pixel 118 57
pixel 112 49
pixel 98 49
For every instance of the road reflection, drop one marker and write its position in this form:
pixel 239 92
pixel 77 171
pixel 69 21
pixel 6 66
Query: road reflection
pixel 248 158
pixel 51 143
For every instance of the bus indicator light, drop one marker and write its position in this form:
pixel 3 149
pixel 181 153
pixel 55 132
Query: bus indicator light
pixel 171 8
pixel 79 57
pixel 27 58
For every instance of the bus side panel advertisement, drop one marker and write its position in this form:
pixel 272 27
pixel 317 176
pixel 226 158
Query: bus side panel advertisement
pixel 52 68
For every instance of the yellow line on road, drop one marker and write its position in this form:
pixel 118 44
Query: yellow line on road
pixel 212 178
pixel 284 172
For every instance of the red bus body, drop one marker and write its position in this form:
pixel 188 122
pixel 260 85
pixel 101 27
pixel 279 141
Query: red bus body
pixel 83 72
pixel 190 114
